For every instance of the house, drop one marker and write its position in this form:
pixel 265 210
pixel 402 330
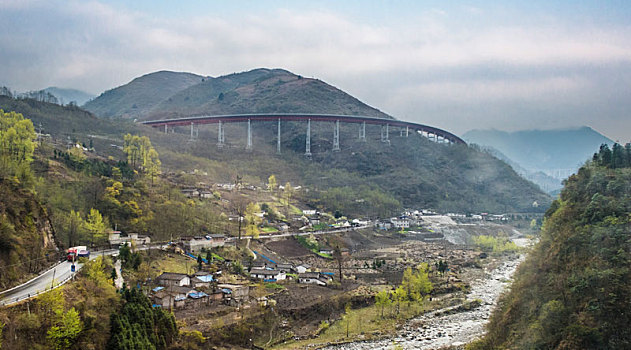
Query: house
pixel 201 281
pixel 326 250
pixel 314 278
pixel 217 240
pixel 195 244
pixel 314 220
pixel 190 192
pixel 168 279
pixel 174 296
pixel 400 222
pixel 234 293
pixel 309 212
pixel 345 252
pixel 384 225
pixel 268 275
pixel 302 268
pixel 206 194
pixel 116 238
pixel 285 268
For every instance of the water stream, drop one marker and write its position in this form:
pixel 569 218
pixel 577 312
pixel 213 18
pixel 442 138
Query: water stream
pixel 433 331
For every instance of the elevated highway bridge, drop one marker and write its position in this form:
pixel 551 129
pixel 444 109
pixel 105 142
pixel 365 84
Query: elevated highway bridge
pixel 434 134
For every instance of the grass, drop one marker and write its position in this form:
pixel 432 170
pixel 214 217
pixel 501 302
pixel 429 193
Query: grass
pixel 173 263
pixel 268 229
pixel 364 323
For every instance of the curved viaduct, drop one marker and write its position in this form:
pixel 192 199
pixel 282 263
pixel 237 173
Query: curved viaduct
pixel 435 134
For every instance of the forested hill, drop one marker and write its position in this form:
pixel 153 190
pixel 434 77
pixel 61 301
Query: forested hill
pixel 167 94
pixel 574 290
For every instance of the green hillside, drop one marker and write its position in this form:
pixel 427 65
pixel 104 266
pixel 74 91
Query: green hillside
pixel 134 99
pixel 574 290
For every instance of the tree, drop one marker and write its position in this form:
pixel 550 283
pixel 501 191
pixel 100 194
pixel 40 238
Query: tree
pixel 252 219
pixel 399 295
pixel 64 334
pixel 337 255
pixel 382 299
pixel 75 227
pixel 96 226
pixel 240 206
pixel 17 143
pixel 199 261
pixel 1 328
pixel 271 183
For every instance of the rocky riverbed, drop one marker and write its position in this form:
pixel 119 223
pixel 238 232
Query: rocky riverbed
pixel 450 326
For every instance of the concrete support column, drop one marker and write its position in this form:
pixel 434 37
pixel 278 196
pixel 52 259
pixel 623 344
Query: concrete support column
pixel 336 137
pixel 407 131
pixel 192 131
pixel 362 132
pixel 278 139
pixel 308 142
pixel 249 145
pixel 166 129
pixel 220 136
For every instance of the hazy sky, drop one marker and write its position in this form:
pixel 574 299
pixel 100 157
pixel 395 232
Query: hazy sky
pixel 480 64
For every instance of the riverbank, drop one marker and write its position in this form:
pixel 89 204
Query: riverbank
pixel 453 326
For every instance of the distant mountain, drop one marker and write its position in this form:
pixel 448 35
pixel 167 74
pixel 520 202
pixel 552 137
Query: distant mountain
pixel 166 95
pixel 557 153
pixel 546 182
pixel 66 96
pixel 139 96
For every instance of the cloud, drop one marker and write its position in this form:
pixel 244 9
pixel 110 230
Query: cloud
pixel 432 61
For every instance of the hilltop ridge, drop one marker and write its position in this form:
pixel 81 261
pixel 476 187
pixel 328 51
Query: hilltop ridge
pixel 163 95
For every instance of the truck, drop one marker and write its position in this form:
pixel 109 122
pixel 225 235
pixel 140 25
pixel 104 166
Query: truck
pixel 74 253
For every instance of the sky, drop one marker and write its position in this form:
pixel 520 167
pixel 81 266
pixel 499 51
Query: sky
pixel 454 65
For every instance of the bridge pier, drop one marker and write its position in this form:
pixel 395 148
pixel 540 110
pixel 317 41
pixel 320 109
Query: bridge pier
pixel 308 141
pixel 220 135
pixel 407 131
pixel 192 131
pixel 362 132
pixel 249 145
pixel 166 129
pixel 336 137
pixel 278 139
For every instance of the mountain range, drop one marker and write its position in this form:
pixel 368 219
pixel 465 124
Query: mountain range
pixel 165 94
pixel 543 156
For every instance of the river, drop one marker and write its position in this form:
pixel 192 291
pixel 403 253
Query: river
pixel 432 331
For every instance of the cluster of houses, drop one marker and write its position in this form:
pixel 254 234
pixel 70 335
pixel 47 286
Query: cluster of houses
pixel 273 272
pixel 179 290
pixel 427 217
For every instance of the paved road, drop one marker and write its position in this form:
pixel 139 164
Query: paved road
pixel 61 273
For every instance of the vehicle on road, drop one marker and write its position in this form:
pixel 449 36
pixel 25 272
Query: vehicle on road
pixel 74 253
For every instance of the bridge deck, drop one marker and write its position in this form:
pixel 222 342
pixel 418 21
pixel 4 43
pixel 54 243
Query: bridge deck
pixel 239 118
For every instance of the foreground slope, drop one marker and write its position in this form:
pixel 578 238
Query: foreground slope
pixel 574 291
